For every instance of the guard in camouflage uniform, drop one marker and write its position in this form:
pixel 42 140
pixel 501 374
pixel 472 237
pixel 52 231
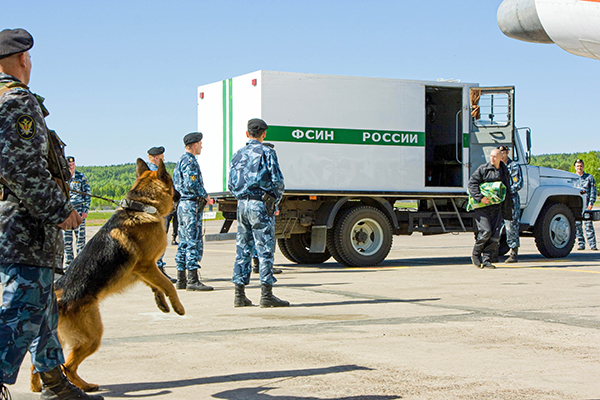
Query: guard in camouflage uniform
pixel 154 155
pixel 512 225
pixel 587 184
pixel 33 210
pixel 81 203
pixel 257 183
pixel 187 179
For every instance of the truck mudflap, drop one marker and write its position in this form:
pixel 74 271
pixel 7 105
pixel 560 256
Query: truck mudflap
pixel 591 215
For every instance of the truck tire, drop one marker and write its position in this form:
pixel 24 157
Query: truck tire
pixel 362 236
pixel 284 250
pixel 555 231
pixel 298 247
pixel 331 245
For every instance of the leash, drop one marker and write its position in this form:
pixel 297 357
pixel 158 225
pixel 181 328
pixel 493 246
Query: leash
pixel 127 204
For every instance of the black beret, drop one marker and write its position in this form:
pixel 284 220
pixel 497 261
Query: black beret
pixel 257 125
pixel 502 148
pixel 155 151
pixel 13 41
pixel 70 159
pixel 192 138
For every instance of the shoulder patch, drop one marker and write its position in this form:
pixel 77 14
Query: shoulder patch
pixel 26 126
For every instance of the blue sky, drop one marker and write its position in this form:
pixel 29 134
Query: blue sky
pixel 121 76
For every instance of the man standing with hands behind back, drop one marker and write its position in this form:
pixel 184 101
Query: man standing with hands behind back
pixel 257 183
pixel 187 179
pixel 82 204
pixel 33 210
pixel 587 183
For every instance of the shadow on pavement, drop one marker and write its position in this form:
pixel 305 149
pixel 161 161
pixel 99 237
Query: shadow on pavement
pixel 162 388
pixel 257 393
pixel 440 261
pixel 363 302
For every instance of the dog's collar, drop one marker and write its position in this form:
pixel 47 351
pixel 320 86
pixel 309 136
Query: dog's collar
pixel 137 206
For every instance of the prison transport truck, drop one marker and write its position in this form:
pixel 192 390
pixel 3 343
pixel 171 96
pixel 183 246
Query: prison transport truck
pixel 356 151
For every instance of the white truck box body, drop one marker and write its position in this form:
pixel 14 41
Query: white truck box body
pixel 377 126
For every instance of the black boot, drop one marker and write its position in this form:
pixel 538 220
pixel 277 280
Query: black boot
pixel 56 386
pixel 268 300
pixel 240 299
pixel 162 269
pixel 514 256
pixel 194 284
pixel 181 280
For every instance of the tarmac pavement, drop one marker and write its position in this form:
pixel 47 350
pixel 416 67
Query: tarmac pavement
pixel 425 324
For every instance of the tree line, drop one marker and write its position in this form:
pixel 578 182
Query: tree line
pixel 114 181
pixel 565 162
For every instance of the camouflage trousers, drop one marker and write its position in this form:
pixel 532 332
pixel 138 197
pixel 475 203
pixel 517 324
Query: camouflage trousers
pixel 191 246
pixel 28 320
pixel 589 232
pixel 160 263
pixel 79 235
pixel 511 226
pixel 255 230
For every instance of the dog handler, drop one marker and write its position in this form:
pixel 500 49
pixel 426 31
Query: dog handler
pixel 33 210
pixel 257 183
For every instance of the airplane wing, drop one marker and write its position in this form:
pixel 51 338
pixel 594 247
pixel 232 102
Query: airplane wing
pixel 574 25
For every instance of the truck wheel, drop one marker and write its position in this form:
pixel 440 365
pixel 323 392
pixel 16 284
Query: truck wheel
pixel 331 245
pixel 298 247
pixel 555 231
pixel 362 236
pixel 284 250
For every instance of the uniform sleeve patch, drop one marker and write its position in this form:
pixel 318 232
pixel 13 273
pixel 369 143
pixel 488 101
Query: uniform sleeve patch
pixel 26 126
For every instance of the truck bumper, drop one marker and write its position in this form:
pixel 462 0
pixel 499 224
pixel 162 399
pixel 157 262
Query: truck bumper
pixel 591 215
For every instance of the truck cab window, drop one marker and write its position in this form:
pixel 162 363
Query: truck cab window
pixel 494 110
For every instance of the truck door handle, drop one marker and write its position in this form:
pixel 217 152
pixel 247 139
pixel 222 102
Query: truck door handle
pixel 459 142
pixel 498 135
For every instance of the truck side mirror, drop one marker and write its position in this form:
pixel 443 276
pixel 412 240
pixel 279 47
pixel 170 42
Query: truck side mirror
pixel 528 153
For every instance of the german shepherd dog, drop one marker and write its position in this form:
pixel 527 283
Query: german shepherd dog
pixel 123 252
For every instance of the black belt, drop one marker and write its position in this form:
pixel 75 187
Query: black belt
pixel 252 197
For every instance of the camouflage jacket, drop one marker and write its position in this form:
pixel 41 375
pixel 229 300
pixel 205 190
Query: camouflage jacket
pixel 587 183
pixel 152 166
pixel 79 182
pixel 28 221
pixel 254 170
pixel 187 178
pixel 516 178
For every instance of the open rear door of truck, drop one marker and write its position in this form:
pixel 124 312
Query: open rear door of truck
pixel 492 122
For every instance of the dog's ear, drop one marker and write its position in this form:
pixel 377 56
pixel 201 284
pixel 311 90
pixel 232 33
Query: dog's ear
pixel 163 175
pixel 141 167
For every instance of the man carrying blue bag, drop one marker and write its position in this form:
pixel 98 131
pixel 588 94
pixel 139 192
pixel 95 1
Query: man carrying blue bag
pixel 489 210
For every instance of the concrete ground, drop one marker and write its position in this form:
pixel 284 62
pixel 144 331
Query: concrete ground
pixel 425 324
